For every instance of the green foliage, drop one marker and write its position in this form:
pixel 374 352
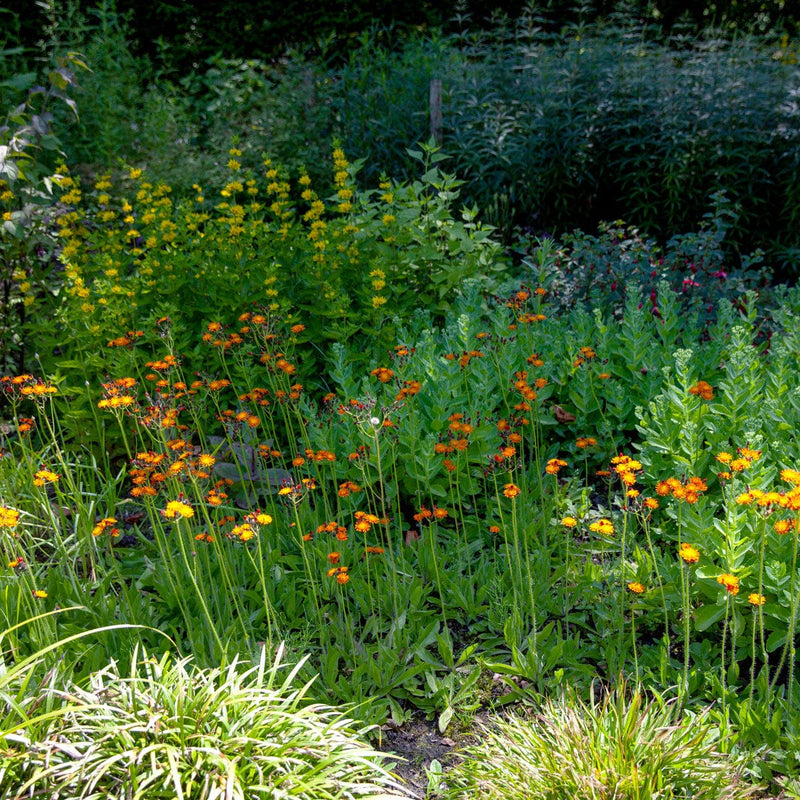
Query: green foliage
pixel 28 149
pixel 320 406
pixel 621 746
pixel 167 729
pixel 283 105
pixel 556 132
pixel 339 267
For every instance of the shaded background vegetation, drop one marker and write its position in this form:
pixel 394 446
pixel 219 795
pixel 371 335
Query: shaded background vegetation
pixel 557 116
pixel 183 33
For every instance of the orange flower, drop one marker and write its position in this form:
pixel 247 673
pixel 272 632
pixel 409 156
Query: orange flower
pixel 105 524
pixel 383 374
pixel 703 389
pixel 730 582
pixel 340 573
pixel 554 465
pixel 511 490
pixel 636 587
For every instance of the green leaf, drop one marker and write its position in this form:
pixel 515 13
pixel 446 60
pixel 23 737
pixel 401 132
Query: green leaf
pixel 706 616
pixel 21 82
pixel 444 719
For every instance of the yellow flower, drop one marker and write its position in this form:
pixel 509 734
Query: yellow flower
pixel 569 522
pixel 243 532
pixel 604 526
pixel 9 517
pixel 691 555
pixel 511 490
pixel 756 599
pixel 40 594
pixel 175 508
pixel 258 518
pixel 636 587
pixel 44 476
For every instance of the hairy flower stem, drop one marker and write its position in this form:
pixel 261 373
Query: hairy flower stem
pixel 686 612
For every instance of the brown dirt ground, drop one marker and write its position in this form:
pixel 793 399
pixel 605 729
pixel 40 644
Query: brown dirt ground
pixel 417 743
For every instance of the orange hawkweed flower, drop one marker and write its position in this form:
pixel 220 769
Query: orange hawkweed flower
pixel 703 389
pixel 511 490
pixel 730 582
pixel 691 555
pixel 791 476
pixel 105 524
pixel 340 573
pixel 383 374
pixel 783 526
pixel 756 599
pixel 554 465
pixel 636 587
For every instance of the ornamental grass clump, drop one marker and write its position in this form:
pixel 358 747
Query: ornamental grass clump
pixel 168 730
pixel 622 747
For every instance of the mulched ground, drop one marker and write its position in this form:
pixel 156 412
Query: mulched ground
pixel 417 743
